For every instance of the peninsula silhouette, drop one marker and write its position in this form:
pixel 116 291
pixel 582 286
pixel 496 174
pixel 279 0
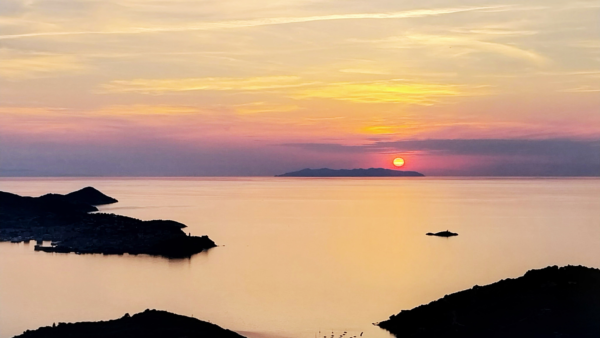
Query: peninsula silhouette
pixel 371 172
pixel 66 221
pixel 550 302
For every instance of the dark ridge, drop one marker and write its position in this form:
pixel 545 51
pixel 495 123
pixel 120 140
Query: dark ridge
pixel 442 234
pixel 90 196
pixel 158 223
pixel 53 203
pixel 371 172
pixel 65 220
pixel 546 303
pixel 147 324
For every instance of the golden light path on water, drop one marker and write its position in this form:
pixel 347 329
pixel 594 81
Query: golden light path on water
pixel 303 256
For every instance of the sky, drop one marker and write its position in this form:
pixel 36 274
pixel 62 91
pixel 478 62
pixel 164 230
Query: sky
pixel 262 87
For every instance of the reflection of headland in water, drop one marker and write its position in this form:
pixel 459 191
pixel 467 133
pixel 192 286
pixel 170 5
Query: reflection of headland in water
pixel 550 302
pixel 66 221
pixel 147 324
pixel 371 172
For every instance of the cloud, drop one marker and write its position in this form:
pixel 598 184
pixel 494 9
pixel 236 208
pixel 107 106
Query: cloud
pixel 466 43
pixel 495 147
pixel 156 86
pixel 488 157
pixel 581 5
pixel 18 65
pixel 364 71
pixel 418 13
pixel 491 147
pixel 582 89
pixel 393 91
pixel 146 110
pixel 151 157
pixel 13 7
pixel 31 111
pixel 263 107
pixel 495 31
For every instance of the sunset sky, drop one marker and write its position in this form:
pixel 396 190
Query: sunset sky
pixel 239 87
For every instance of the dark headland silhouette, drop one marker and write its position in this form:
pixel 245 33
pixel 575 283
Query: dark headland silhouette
pixel 371 172
pixel 147 324
pixel 546 303
pixel 442 234
pixel 91 196
pixel 66 221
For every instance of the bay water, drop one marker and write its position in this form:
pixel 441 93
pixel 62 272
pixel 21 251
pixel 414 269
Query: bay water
pixel 303 258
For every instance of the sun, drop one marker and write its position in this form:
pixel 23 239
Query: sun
pixel 398 161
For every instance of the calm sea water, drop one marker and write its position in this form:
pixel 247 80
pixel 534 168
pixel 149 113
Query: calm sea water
pixel 299 257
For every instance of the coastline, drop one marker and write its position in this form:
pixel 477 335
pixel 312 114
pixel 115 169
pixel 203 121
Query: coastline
pixel 66 221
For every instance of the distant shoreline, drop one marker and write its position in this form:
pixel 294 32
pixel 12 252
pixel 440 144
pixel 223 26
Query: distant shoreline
pixel 109 177
pixel 371 172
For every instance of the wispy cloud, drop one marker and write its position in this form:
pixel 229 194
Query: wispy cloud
pixel 157 86
pixel 148 110
pixel 263 107
pixel 495 31
pixel 14 111
pixel 582 5
pixel 364 71
pixel 16 65
pixel 418 13
pixel 582 89
pixel 387 92
pixel 467 42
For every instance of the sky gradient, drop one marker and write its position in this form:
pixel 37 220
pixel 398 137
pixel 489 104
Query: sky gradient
pixel 232 87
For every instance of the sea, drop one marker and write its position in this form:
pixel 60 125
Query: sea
pixel 303 257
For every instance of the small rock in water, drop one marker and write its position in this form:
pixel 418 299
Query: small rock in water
pixel 442 234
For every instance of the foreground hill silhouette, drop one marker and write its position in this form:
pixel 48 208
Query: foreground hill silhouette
pixel 148 324
pixel 371 172
pixel 551 302
pixel 66 221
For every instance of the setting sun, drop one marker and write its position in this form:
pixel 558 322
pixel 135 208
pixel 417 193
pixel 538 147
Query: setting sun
pixel 399 161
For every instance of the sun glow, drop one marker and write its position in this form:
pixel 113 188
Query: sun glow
pixel 399 162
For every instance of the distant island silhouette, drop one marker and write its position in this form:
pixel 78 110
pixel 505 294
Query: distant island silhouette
pixel 66 221
pixel 442 234
pixel 147 324
pixel 550 302
pixel 371 172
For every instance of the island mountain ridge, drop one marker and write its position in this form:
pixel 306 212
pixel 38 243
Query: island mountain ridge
pixel 371 172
